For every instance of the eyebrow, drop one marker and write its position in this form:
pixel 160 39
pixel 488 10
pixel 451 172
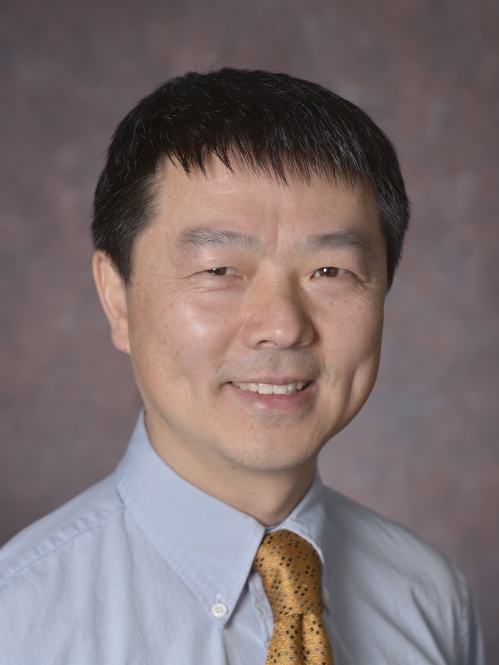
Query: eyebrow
pixel 362 243
pixel 193 239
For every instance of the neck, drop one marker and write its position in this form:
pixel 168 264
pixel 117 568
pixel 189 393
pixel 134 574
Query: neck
pixel 268 496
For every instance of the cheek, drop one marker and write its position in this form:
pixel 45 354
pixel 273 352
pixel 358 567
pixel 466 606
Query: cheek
pixel 180 338
pixel 354 337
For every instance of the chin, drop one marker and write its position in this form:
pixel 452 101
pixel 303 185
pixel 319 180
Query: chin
pixel 271 455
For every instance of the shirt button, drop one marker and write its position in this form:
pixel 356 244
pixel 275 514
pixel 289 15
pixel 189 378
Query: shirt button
pixel 219 610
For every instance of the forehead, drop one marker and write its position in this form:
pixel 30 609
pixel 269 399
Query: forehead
pixel 260 204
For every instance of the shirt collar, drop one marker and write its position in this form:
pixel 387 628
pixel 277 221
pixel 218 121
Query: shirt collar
pixel 210 544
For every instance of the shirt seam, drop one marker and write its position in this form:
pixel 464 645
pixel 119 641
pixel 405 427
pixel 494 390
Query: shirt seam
pixel 6 579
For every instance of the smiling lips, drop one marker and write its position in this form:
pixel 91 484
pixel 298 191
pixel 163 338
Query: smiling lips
pixel 273 389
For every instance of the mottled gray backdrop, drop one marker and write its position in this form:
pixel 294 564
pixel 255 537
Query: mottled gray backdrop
pixel 425 449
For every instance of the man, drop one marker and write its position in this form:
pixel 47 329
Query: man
pixel 247 227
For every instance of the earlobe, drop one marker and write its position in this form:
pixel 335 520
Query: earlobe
pixel 112 293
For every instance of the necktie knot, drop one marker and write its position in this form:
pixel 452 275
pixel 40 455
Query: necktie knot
pixel 290 569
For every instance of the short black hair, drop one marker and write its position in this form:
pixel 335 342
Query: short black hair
pixel 271 122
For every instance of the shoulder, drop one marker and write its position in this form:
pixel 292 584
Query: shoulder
pixel 396 584
pixel 386 544
pixel 58 579
pixel 384 565
pixel 54 533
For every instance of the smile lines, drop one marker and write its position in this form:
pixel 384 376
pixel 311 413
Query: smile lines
pixel 273 389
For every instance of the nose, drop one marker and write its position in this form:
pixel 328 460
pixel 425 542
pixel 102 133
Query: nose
pixel 277 316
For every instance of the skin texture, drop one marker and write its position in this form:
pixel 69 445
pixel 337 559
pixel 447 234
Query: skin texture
pixel 227 287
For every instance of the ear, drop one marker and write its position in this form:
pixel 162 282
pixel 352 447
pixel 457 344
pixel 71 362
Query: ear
pixel 112 294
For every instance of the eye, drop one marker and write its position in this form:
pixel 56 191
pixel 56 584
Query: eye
pixel 220 272
pixel 328 272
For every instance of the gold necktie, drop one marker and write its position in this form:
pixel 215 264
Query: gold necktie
pixel 291 574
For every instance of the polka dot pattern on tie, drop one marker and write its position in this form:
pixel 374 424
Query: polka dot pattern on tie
pixel 290 569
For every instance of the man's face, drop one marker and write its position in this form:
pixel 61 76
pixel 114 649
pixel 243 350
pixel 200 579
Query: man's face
pixel 254 314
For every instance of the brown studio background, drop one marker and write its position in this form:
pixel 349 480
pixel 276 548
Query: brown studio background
pixel 424 450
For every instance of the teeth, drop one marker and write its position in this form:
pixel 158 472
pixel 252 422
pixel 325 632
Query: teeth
pixel 272 389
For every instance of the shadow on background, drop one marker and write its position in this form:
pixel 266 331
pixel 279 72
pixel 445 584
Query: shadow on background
pixel 425 449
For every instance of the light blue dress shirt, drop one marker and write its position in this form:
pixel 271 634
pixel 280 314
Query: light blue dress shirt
pixel 146 569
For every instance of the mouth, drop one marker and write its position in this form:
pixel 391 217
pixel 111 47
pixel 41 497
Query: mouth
pixel 273 388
